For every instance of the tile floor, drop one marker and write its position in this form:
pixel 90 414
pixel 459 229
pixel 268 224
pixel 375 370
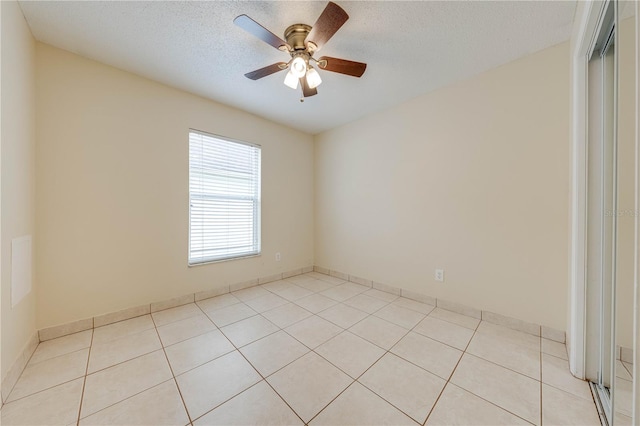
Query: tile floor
pixel 311 349
pixel 623 393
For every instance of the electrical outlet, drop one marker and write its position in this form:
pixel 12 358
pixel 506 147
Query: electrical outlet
pixel 439 275
pixel 278 257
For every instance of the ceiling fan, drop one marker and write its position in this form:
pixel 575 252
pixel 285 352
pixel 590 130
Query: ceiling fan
pixel 302 41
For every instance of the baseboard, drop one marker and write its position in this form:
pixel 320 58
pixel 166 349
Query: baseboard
pixel 9 381
pixel 492 317
pixel 136 311
pixel 624 354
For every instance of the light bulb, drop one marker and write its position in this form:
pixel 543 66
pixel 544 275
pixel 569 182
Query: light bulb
pixel 298 67
pixel 291 80
pixel 313 78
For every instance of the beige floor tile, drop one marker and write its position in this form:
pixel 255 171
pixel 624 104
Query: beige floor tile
pixel 315 274
pixel 366 303
pixel 273 352
pixel 301 278
pixel 445 332
pixel 309 384
pixel 554 348
pixel 382 295
pixel 433 356
pixel 49 373
pixel 409 388
pixel 344 291
pixel 106 354
pixel 293 292
pixel 555 372
pixel 455 318
pixel 313 331
pixel 267 302
pixel 160 405
pixel 196 351
pixel 218 302
pixel 563 408
pixel 343 315
pixel 379 331
pixel 57 405
pixel 61 345
pixel 623 396
pixel 276 286
pixel 512 336
pixel 316 303
pixel 359 406
pixel 168 316
pixel 414 305
pixel 457 407
pixel 230 373
pixel 503 352
pixel 117 383
pixel 622 420
pixel 250 293
pixel 621 371
pixel 230 314
pixel 398 315
pixel 258 405
pixel 122 328
pixel 330 279
pixel 185 329
pixel 285 315
pixel 350 353
pixel 314 285
pixel 507 389
pixel 249 330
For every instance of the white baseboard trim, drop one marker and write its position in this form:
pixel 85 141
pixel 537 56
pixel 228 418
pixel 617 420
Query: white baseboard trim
pixel 136 311
pixel 492 317
pixel 10 379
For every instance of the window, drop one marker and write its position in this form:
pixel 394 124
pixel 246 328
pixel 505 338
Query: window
pixel 224 198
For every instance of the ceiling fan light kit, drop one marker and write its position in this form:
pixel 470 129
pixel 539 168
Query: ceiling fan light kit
pixel 302 41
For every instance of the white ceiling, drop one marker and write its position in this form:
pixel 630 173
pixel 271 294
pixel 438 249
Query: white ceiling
pixel 410 47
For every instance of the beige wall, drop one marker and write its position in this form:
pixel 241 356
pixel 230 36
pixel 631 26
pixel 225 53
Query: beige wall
pixel 17 167
pixel 472 178
pixel 112 190
pixel 626 183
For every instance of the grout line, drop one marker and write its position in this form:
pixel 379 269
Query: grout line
pixel 84 381
pixel 259 374
pixel 464 351
pixel 171 368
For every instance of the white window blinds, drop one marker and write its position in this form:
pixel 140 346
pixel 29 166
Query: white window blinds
pixel 224 198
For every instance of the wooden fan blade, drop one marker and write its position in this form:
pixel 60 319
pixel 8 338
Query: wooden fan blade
pixel 306 90
pixel 268 70
pixel 330 21
pixel 355 69
pixel 251 26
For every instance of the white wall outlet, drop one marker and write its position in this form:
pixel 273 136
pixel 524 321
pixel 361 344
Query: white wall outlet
pixel 278 257
pixel 439 275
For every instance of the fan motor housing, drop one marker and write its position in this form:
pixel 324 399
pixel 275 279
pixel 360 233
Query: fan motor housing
pixel 296 34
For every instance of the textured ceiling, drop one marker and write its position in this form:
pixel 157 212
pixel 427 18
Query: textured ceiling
pixel 410 47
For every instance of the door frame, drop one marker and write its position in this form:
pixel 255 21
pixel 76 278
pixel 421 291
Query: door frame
pixel 585 29
pixel 586 25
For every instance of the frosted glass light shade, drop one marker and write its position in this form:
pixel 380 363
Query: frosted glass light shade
pixel 313 78
pixel 298 67
pixel 291 80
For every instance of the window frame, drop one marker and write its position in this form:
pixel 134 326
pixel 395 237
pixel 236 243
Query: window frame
pixel 257 218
